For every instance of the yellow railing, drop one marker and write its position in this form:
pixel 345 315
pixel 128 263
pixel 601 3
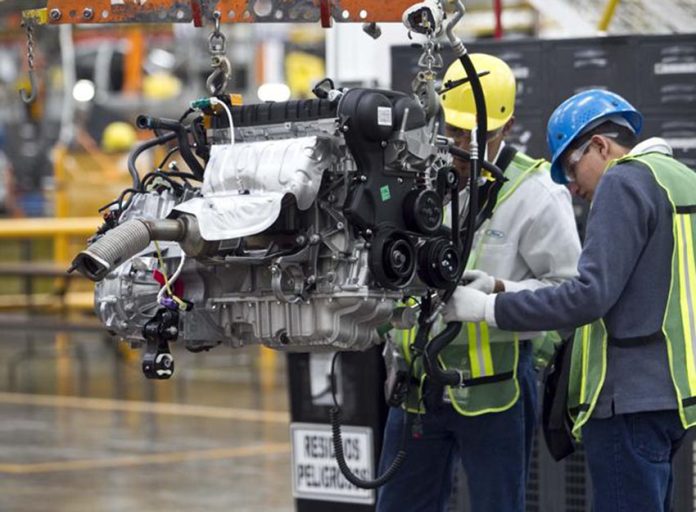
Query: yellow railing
pixel 59 231
pixel 50 227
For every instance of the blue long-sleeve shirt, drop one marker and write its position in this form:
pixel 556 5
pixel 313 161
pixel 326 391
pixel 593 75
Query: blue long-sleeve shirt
pixel 624 277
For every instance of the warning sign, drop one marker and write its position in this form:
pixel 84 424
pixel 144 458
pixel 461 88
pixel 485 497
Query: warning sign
pixel 315 473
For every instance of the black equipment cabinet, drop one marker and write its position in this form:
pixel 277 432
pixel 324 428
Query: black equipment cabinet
pixel 317 485
pixel 657 74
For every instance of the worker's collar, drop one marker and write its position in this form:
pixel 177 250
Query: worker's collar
pixel 652 145
pixel 500 152
pixel 505 156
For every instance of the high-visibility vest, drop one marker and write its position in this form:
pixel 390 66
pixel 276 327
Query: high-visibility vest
pixel 487 357
pixel 589 358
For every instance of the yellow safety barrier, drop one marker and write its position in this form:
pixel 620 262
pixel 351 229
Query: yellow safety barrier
pixel 19 229
pixel 59 230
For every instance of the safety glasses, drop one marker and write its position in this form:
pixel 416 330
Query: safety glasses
pixel 571 161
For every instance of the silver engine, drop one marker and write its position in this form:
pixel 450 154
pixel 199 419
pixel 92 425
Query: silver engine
pixel 304 235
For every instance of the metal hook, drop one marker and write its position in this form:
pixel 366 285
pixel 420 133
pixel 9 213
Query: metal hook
pixel 31 96
pixel 217 82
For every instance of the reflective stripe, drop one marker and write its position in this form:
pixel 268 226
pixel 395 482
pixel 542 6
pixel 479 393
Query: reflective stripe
pixel 687 286
pixel 480 350
pixel 486 348
pixel 585 363
pixel 407 339
pixel 512 186
pixel 473 349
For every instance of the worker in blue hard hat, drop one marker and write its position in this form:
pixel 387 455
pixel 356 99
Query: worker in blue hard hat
pixel 528 240
pixel 632 384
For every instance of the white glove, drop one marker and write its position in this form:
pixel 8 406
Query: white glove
pixel 470 305
pixel 479 280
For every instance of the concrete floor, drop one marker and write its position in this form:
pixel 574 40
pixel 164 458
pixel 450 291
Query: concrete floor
pixel 97 436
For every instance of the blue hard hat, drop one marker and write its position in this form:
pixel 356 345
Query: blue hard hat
pixel 578 113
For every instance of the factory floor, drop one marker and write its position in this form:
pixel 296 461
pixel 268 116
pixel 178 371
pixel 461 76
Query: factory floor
pixel 82 430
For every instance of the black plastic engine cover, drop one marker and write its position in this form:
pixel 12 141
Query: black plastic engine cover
pixel 280 112
pixel 369 117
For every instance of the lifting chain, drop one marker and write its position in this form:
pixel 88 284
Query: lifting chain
pixel 222 69
pixel 31 96
pixel 423 85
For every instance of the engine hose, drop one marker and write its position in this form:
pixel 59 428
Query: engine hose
pixel 438 376
pixel 156 123
pixel 141 148
pixel 454 224
pixel 122 243
pixel 496 171
pixel 335 417
pixel 198 132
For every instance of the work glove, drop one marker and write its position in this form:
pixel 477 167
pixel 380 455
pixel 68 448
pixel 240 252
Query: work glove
pixel 479 280
pixel 470 305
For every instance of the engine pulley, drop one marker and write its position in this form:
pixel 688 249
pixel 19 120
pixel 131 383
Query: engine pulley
pixel 438 263
pixel 392 259
pixel 423 211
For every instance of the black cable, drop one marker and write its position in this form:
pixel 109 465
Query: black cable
pixel 475 160
pixel 453 84
pixel 118 200
pixel 199 137
pixel 438 376
pixel 186 114
pixel 132 169
pixel 183 175
pixel 159 174
pixel 181 134
pixel 496 171
pixel 335 418
pixel 167 157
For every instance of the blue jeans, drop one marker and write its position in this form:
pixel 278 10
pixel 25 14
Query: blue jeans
pixel 493 448
pixel 630 460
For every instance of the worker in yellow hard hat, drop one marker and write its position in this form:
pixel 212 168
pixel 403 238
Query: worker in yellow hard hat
pixel 529 240
pixel 498 83
pixel 118 137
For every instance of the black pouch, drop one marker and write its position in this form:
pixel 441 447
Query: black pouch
pixel 555 420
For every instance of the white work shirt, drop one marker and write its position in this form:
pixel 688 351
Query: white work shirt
pixel 531 240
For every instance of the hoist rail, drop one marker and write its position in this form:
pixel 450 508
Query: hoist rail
pixel 231 11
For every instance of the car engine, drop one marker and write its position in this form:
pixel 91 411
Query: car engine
pixel 303 235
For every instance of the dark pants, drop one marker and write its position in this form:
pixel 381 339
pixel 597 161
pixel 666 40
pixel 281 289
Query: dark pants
pixel 630 460
pixel 493 448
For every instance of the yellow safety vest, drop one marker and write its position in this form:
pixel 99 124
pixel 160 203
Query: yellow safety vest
pixel 589 358
pixel 487 357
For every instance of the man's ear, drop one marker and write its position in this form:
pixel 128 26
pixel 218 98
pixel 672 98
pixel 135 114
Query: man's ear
pixel 603 145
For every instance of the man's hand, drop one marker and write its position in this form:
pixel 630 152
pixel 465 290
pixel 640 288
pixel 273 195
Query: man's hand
pixel 466 305
pixel 479 280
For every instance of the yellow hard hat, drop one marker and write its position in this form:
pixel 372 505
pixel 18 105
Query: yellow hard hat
pixel 161 86
pixel 118 137
pixel 498 85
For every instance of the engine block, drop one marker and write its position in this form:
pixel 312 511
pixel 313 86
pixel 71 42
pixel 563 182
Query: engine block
pixel 304 235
